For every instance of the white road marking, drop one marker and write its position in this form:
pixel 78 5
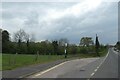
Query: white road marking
pixel 100 64
pixel 41 73
pixel 95 70
pixel 92 74
pixel 104 59
pixel 51 68
pixel 97 67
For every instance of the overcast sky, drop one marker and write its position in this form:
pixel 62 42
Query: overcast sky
pixel 55 20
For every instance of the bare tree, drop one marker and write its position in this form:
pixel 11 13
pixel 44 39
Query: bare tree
pixel 27 37
pixel 19 36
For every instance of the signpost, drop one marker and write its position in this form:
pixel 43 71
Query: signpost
pixel 65 50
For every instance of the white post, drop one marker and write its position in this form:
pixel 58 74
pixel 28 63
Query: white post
pixel 65 50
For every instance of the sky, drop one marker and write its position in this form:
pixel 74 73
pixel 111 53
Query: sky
pixel 56 20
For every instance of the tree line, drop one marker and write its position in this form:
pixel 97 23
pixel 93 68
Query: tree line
pixel 118 45
pixel 24 43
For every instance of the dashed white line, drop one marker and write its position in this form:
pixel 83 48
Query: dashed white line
pixel 99 65
pixel 52 68
pixel 95 70
pixel 103 60
pixel 92 74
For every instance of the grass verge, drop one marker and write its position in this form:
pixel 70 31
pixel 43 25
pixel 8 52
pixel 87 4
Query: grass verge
pixel 12 61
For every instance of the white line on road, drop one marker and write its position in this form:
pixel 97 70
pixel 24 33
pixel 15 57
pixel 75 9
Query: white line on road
pixel 103 60
pixel 92 74
pixel 100 64
pixel 95 70
pixel 51 68
pixel 97 67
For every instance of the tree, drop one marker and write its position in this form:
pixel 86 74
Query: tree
pixel 0 40
pixel 61 45
pixel 86 41
pixel 55 46
pixel 30 42
pixel 5 41
pixel 118 45
pixel 63 41
pixel 20 37
pixel 27 40
pixel 72 49
pixel 97 45
pixel 49 47
pixel 5 36
pixel 43 47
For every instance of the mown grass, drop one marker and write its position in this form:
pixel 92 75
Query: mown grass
pixel 12 61
pixel 0 61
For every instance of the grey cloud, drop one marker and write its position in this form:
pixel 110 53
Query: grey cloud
pixel 32 20
pixel 102 21
pixel 104 24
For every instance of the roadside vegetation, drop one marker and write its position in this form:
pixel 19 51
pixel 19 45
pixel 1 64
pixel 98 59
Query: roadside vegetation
pixel 12 61
pixel 23 50
pixel 0 61
pixel 118 45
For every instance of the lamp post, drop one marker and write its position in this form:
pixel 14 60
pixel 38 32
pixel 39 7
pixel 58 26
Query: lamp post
pixel 65 50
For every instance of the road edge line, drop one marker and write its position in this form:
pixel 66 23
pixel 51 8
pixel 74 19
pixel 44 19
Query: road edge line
pixel 99 66
pixel 47 70
pixel 33 73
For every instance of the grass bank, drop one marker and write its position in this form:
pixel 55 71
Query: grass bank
pixel 0 61
pixel 12 61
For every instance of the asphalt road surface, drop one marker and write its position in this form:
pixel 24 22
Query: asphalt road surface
pixel 105 67
pixel 109 69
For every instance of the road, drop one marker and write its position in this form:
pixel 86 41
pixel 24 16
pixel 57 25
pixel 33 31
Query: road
pixel 25 71
pixel 109 69
pixel 104 67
